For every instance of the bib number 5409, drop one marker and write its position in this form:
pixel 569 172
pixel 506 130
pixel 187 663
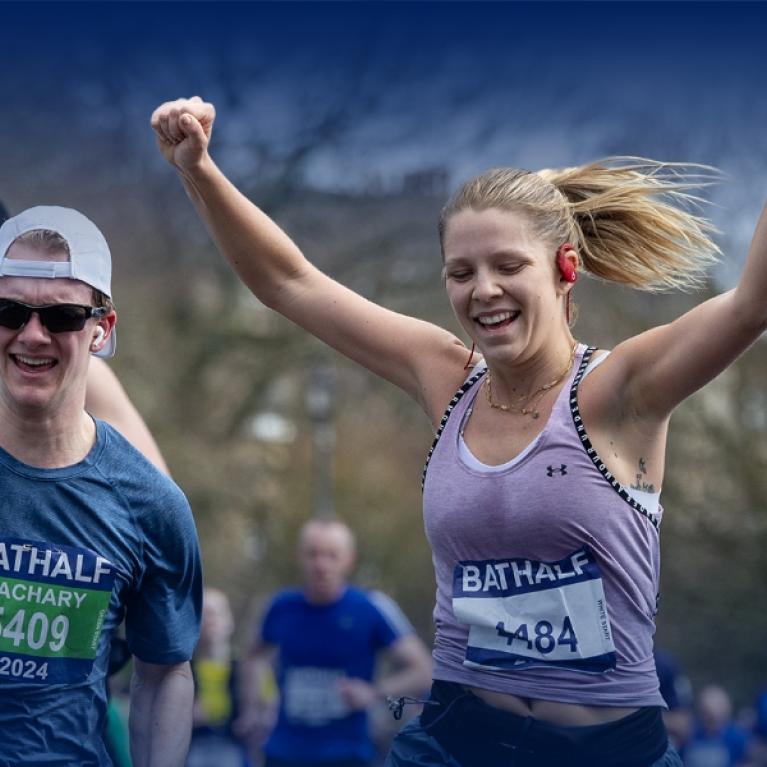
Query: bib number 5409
pixel 35 632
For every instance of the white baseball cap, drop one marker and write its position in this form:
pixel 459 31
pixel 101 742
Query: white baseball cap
pixel 89 258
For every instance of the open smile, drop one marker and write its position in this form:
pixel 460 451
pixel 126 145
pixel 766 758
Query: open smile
pixel 33 364
pixel 496 320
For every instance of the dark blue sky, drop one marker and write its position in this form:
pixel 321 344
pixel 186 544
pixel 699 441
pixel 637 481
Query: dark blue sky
pixel 668 61
pixel 684 34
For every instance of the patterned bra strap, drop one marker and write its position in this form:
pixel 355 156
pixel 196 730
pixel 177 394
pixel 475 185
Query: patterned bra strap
pixel 589 448
pixel 467 384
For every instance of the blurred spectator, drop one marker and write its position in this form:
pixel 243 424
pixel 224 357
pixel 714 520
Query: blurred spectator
pixel 716 741
pixel 215 671
pixel 760 726
pixel 326 638
pixel 676 690
pixel 757 752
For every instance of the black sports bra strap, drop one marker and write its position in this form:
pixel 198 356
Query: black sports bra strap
pixel 467 384
pixel 589 448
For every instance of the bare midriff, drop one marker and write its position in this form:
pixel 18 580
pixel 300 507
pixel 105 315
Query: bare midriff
pixel 553 712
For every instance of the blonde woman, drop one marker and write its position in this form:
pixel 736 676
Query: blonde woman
pixel 546 556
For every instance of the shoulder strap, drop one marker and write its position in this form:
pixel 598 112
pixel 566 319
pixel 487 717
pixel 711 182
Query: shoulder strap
pixel 589 448
pixel 465 386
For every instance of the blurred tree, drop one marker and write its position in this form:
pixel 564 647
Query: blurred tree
pixel 202 358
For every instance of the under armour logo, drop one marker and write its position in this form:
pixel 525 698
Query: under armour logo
pixel 551 470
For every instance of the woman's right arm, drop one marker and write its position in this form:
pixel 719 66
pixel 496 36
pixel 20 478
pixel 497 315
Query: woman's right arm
pixel 422 359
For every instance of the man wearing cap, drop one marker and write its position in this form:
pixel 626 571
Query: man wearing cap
pixel 90 531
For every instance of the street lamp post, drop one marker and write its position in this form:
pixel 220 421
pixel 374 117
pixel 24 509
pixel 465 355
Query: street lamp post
pixel 319 399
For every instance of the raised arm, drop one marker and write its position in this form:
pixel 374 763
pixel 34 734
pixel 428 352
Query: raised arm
pixel 660 368
pixel 424 360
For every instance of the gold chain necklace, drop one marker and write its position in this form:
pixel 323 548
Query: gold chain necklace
pixel 536 396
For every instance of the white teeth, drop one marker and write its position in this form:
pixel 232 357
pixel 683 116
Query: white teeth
pixel 32 361
pixel 494 319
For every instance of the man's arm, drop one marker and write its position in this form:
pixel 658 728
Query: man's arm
pixel 257 714
pixel 160 714
pixel 411 675
pixel 412 668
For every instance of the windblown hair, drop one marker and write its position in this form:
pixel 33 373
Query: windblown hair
pixel 632 220
pixel 49 242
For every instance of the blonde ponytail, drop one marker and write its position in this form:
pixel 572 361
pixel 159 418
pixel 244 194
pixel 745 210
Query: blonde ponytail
pixel 630 218
pixel 634 221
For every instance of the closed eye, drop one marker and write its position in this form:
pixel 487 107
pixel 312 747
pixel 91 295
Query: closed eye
pixel 459 275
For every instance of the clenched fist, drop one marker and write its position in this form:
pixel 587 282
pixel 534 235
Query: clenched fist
pixel 183 129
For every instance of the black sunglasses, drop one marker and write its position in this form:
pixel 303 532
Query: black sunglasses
pixel 57 318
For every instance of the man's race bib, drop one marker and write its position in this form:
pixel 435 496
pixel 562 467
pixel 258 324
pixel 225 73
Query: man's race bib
pixel 53 600
pixel 524 613
pixel 312 696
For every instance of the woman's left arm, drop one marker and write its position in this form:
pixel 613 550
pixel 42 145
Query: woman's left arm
pixel 658 369
pixel 106 399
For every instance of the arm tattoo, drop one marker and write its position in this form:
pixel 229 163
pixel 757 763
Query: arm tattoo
pixel 640 483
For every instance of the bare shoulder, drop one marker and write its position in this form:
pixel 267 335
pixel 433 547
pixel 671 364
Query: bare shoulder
pixel 441 373
pixel 610 393
pixel 600 394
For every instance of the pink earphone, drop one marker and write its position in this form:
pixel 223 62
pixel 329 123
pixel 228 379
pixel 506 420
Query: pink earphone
pixel 566 269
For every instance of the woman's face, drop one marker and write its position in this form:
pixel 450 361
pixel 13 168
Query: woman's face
pixel 502 282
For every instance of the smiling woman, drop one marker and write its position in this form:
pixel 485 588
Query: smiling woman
pixel 541 500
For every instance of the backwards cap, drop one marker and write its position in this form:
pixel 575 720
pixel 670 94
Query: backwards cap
pixel 89 258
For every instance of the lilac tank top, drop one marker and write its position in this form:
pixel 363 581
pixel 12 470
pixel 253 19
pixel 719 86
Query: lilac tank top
pixel 547 571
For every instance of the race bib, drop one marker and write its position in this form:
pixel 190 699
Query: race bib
pixel 53 600
pixel 312 696
pixel 524 613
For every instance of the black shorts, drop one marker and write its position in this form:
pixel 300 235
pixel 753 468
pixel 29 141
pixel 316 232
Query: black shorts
pixel 271 762
pixel 460 730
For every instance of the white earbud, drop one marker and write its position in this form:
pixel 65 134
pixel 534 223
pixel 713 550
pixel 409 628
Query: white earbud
pixel 99 337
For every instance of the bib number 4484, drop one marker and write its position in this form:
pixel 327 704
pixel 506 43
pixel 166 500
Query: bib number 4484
pixel 543 636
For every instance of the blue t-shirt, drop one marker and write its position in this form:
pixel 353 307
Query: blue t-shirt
pixel 726 748
pixel 675 687
pixel 81 548
pixel 760 726
pixel 318 646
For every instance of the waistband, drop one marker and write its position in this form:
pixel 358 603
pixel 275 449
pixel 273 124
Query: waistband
pixel 480 735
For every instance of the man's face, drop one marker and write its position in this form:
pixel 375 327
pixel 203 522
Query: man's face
pixel 43 372
pixel 326 556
